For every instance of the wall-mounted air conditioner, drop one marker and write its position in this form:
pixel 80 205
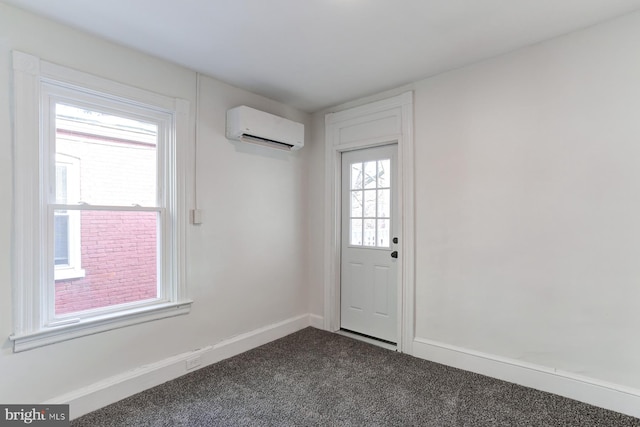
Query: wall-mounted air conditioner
pixel 250 125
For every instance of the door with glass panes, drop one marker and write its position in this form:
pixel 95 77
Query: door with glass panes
pixel 369 252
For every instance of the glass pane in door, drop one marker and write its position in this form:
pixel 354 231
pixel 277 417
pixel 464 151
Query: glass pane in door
pixel 370 208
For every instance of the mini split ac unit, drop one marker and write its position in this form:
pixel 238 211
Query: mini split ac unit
pixel 250 125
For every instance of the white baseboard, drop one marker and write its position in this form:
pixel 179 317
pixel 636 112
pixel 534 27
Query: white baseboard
pixel 316 321
pixel 606 395
pixel 113 389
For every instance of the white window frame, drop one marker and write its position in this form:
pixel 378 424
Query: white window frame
pixel 33 273
pixel 72 270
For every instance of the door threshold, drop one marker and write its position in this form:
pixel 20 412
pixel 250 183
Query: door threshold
pixel 369 340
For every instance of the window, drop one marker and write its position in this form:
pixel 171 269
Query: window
pixel 370 209
pixel 98 244
pixel 66 223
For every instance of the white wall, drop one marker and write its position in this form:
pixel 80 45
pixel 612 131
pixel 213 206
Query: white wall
pixel 316 211
pixel 528 200
pixel 247 263
pixel 528 204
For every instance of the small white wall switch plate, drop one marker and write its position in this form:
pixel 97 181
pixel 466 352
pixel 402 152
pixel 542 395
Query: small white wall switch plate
pixel 196 216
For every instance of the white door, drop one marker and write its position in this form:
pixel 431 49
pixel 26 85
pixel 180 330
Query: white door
pixel 369 257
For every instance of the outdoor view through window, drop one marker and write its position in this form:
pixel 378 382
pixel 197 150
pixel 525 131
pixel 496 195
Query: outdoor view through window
pixel 105 216
pixel 370 204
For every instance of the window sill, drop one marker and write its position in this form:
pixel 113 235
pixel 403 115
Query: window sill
pixel 69 273
pixel 83 327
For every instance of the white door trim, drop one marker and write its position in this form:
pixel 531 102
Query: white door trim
pixel 378 123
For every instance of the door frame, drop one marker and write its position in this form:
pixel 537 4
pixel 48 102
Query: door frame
pixel 388 121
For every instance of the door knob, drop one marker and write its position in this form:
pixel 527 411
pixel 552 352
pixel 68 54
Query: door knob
pixel 394 254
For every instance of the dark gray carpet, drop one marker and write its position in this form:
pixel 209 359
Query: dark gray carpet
pixel 315 378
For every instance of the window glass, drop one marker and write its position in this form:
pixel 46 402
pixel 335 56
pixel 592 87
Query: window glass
pixel 356 176
pixel 384 173
pixel 61 183
pixel 384 203
pixel 356 232
pixel 369 238
pixel 370 204
pixel 114 250
pixel 370 209
pixel 383 233
pixel 61 238
pixel 118 156
pixel 370 175
pixel 119 257
pixel 356 203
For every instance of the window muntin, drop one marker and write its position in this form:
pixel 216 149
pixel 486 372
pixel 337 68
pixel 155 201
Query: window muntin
pixel 370 207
